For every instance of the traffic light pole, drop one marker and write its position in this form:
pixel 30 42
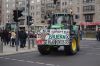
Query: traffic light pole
pixel 17 26
pixel 1 46
pixel 28 24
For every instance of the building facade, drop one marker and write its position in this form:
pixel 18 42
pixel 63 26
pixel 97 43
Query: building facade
pixel 35 12
pixel 61 6
pixel 7 11
pixel 90 13
pixel 34 9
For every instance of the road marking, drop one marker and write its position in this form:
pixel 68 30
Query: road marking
pixel 39 63
pixel 97 48
pixel 20 60
pixel 84 47
pixel 29 61
pixel 89 53
pixel 6 58
pixel 97 54
pixel 1 57
pixel 92 54
pixel 50 65
pixel 13 59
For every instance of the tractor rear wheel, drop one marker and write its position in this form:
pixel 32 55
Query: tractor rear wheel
pixel 44 50
pixel 72 48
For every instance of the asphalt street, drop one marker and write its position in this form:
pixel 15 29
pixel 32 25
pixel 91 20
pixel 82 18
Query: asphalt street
pixel 89 55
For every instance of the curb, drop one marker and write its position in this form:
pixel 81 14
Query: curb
pixel 18 52
pixel 88 38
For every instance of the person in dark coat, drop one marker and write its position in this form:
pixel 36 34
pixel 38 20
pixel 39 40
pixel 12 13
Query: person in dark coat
pixel 22 38
pixel 99 34
pixel 1 35
pixel 81 34
pixel 6 37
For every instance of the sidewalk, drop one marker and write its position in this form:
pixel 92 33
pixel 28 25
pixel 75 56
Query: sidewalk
pixel 8 50
pixel 88 38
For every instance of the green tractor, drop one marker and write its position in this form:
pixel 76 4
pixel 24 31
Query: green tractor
pixel 60 32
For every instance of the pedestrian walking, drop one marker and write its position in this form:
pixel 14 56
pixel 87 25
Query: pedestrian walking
pixel 22 38
pixel 6 37
pixel 13 37
pixel 81 34
pixel 1 35
pixel 99 34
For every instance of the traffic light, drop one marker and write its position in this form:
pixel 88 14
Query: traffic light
pixel 29 19
pixel 54 1
pixel 17 14
pixel 20 13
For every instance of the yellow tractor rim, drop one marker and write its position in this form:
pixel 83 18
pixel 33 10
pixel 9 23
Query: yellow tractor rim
pixel 74 45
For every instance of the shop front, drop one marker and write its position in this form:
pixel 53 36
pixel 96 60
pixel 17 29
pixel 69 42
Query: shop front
pixel 89 28
pixel 90 25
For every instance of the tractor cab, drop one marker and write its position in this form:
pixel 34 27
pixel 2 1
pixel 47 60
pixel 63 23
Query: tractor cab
pixel 61 21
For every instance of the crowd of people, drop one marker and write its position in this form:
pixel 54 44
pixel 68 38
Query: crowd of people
pixel 9 37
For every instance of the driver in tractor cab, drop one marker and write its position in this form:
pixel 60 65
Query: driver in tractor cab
pixel 75 28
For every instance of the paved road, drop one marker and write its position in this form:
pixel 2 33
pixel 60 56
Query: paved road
pixel 89 55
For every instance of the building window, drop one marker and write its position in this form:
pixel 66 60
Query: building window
pixel 32 2
pixel 78 9
pixel 7 0
pixel 37 13
pixel 63 3
pixel 58 3
pixel 32 7
pixel 32 14
pixel 38 0
pixel 88 8
pixel 7 5
pixel 8 11
pixel 88 1
pixel 88 17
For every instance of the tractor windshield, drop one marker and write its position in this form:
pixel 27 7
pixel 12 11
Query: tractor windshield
pixel 60 21
pixel 10 26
